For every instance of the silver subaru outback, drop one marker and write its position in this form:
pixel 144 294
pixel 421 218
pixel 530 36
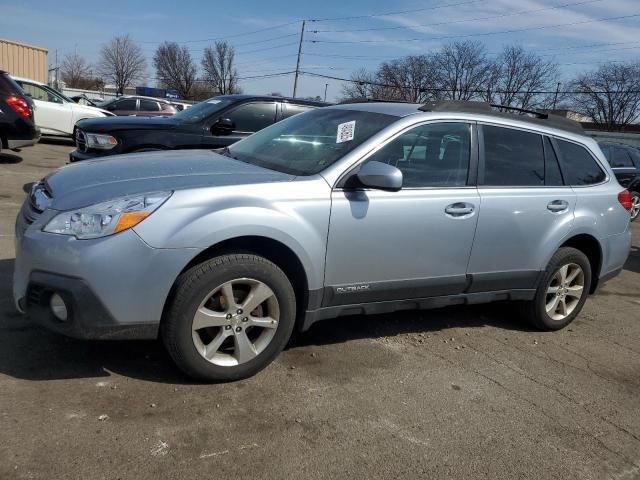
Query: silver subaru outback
pixel 351 209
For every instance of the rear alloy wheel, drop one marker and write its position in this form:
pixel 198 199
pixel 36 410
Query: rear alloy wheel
pixel 230 317
pixel 562 291
pixel 635 205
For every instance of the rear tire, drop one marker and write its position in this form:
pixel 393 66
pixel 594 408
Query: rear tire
pixel 206 331
pixel 562 291
pixel 635 205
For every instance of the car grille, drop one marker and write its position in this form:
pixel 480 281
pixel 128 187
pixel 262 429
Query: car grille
pixel 39 199
pixel 81 140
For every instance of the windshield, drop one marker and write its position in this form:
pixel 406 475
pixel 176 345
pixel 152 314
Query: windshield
pixel 307 143
pixel 202 110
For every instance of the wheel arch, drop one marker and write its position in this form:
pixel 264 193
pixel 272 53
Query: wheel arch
pixel 273 250
pixel 590 246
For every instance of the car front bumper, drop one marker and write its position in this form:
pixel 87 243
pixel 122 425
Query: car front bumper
pixel 113 287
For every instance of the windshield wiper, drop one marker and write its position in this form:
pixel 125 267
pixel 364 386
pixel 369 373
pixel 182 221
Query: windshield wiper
pixel 226 152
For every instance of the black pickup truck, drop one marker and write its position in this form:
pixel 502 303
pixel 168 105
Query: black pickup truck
pixel 214 123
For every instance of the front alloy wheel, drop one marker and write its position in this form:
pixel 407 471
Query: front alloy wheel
pixel 235 322
pixel 229 317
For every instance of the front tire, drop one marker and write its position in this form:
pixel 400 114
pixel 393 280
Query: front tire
pixel 562 291
pixel 229 318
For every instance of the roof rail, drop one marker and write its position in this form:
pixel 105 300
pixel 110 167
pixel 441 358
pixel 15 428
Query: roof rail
pixel 370 100
pixel 538 118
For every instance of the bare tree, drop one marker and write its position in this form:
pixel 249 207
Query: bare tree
pixel 461 70
pixel 610 95
pixel 175 68
pixel 517 78
pixel 122 62
pixel 362 85
pixel 219 68
pixel 76 72
pixel 409 79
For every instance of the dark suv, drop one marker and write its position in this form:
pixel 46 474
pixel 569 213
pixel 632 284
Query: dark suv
pixel 214 123
pixel 139 106
pixel 625 163
pixel 17 126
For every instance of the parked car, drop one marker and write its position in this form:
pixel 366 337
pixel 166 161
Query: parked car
pixel 625 163
pixel 139 106
pixel 349 209
pixel 17 125
pixel 214 123
pixel 56 114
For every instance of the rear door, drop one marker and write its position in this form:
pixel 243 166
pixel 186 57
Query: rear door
pixel 525 207
pixel 413 243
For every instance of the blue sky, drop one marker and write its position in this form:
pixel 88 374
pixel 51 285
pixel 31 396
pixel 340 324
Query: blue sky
pixel 85 26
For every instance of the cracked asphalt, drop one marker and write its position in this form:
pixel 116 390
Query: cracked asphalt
pixel 465 392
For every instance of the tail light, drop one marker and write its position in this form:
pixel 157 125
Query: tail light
pixel 19 106
pixel 624 197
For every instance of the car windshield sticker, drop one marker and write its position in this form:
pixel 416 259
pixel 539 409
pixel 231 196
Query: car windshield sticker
pixel 346 131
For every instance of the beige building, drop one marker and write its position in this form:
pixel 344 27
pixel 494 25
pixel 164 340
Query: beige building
pixel 23 60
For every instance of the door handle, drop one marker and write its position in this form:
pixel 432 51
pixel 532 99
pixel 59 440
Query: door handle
pixel 459 209
pixel 557 206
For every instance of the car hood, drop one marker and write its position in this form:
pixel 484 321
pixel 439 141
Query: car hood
pixel 89 110
pixel 92 181
pixel 113 123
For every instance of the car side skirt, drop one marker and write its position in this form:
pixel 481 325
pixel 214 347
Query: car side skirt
pixel 369 308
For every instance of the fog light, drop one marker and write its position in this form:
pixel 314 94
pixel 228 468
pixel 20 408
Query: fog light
pixel 58 307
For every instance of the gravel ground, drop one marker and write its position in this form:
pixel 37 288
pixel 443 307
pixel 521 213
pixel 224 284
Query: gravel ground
pixel 465 392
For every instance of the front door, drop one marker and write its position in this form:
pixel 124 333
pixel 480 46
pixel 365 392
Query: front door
pixel 412 243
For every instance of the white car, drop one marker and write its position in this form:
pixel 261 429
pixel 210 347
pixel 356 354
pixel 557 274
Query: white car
pixel 55 113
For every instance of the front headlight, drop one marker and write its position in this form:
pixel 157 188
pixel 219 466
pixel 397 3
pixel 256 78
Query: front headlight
pixel 100 142
pixel 106 218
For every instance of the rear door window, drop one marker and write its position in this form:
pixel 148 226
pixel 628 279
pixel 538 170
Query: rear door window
pixel 513 157
pixel 552 174
pixel 578 165
pixel 288 110
pixel 149 106
pixel 252 117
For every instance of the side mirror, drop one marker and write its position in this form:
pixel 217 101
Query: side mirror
pixel 224 125
pixel 380 175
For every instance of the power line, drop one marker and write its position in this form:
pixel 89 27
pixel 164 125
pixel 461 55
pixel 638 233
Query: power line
pixel 400 12
pixel 512 14
pixel 266 60
pixel 479 34
pixel 425 89
pixel 274 27
pixel 578 47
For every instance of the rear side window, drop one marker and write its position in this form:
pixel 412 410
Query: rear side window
pixel 512 157
pixel 620 158
pixel 578 165
pixel 9 85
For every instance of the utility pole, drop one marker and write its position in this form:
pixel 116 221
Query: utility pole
pixel 555 97
pixel 56 70
pixel 295 81
pixel 325 91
